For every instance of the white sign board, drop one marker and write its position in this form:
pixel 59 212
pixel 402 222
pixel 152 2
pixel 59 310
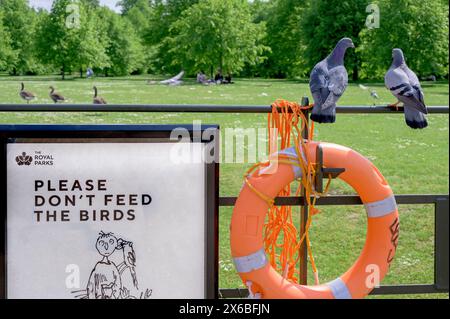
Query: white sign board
pixel 104 220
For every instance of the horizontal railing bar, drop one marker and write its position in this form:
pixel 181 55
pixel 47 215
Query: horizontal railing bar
pixel 407 289
pixel 337 200
pixel 383 290
pixel 191 108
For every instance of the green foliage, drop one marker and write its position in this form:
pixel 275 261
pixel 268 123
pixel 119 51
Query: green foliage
pixel 19 20
pixel 139 15
pixel 419 28
pixel 91 3
pixel 92 45
pixel 6 51
pixel 324 23
pixel 217 34
pixel 270 38
pixel 123 46
pixel 283 37
pixel 164 14
pixel 127 5
pixel 68 38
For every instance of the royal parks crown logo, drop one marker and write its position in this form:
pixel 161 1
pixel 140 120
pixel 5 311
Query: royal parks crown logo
pixel 38 159
pixel 24 159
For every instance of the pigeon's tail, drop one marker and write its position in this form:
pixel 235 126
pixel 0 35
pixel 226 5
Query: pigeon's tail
pixel 320 115
pixel 415 119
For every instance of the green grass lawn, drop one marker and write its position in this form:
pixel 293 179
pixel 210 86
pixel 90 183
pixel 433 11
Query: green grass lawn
pixel 413 161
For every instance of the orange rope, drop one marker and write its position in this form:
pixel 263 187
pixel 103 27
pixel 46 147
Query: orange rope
pixel 282 239
pixel 281 236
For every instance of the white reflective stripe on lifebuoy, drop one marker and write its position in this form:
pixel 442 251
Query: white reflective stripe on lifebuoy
pixel 291 152
pixel 339 289
pixel 251 262
pixel 381 208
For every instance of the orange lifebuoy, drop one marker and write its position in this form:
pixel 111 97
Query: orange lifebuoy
pixel 246 231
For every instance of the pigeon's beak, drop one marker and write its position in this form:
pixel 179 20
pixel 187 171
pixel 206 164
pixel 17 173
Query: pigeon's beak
pixel 352 45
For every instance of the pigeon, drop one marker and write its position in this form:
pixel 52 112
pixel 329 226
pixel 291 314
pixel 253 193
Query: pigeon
pixel 405 86
pixel 373 93
pixel 328 82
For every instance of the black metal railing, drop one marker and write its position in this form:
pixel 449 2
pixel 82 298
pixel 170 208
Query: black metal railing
pixel 181 108
pixel 440 202
pixel 441 248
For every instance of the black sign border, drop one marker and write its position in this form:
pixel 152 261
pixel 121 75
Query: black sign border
pixel 8 133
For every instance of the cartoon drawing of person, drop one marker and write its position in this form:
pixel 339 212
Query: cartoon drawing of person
pixel 105 281
pixel 108 280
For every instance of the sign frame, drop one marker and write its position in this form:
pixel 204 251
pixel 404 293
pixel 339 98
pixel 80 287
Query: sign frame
pixel 104 134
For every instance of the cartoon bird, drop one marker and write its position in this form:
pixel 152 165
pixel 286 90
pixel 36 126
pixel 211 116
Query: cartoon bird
pixel 98 99
pixel 55 96
pixel 328 82
pixel 404 85
pixel 129 259
pixel 26 95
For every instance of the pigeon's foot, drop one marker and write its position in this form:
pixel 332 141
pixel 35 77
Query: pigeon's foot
pixel 322 118
pixel 396 106
pixel 417 124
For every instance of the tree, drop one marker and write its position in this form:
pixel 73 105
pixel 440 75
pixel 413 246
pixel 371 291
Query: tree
pixel 91 3
pixel 215 33
pixel 92 44
pixel 419 28
pixel 324 23
pixel 19 21
pixel 6 51
pixel 127 5
pixel 284 38
pixel 163 14
pixel 139 14
pixel 68 39
pixel 123 47
pixel 261 10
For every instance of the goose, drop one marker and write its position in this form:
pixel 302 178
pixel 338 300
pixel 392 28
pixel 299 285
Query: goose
pixel 26 95
pixel 98 99
pixel 55 96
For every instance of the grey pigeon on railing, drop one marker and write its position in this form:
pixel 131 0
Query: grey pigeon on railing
pixel 328 82
pixel 405 86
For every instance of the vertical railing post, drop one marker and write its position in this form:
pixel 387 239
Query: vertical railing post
pixel 441 244
pixel 303 267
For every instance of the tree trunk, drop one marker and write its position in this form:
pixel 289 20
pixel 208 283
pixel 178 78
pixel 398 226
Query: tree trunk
pixel 81 72
pixel 355 75
pixel 63 73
